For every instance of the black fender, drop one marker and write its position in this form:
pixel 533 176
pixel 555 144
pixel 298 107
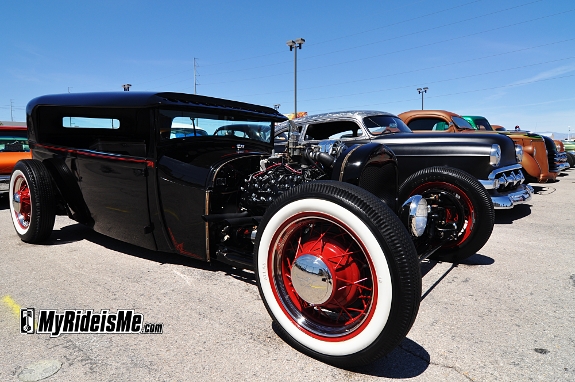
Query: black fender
pixel 371 166
pixel 67 186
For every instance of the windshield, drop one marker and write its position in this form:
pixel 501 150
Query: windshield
pixel 483 124
pixel 180 124
pixel 14 141
pixel 462 123
pixel 383 124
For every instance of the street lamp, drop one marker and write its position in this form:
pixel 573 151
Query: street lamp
pixel 421 91
pixel 569 134
pixel 126 87
pixel 295 45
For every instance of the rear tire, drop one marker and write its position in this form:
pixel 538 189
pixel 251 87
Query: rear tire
pixel 365 300
pixel 454 190
pixel 32 201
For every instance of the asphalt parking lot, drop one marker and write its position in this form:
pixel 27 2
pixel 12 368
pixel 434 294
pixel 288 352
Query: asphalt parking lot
pixel 507 314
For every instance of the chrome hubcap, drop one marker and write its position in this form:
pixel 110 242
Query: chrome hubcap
pixel 312 279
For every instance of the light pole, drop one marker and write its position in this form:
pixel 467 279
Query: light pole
pixel 569 134
pixel 295 45
pixel 421 91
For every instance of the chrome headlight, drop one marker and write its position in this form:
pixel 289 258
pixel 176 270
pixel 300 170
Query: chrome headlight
pixel 414 214
pixel 519 153
pixel 495 155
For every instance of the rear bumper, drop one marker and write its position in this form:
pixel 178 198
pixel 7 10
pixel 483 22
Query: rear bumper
pixel 506 200
pixel 4 183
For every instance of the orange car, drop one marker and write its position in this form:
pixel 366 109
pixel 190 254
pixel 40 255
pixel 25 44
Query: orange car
pixel 13 147
pixel 535 162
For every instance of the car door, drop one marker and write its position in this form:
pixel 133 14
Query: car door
pixel 113 172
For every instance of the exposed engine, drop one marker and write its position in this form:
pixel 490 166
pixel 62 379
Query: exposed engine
pixel 282 172
pixel 240 198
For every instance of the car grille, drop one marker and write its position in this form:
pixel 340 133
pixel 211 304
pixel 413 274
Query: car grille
pixel 510 179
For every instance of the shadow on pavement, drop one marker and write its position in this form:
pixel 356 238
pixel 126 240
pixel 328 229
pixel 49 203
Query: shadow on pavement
pixel 77 232
pixel 515 213
pixel 408 360
pixel 428 265
pixel 543 190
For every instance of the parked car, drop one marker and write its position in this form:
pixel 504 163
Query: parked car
pixel 534 163
pixel 13 147
pixel 562 156
pixel 463 177
pixel 570 150
pixel 335 267
pixel 555 163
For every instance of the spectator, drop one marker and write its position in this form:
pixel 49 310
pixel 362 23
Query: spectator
pixel 517 128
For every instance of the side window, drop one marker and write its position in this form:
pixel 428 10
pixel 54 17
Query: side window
pixel 333 130
pixel 425 124
pixel 182 127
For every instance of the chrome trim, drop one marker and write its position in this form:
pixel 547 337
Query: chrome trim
pixel 495 155
pixel 507 200
pixel 312 279
pixel 414 213
pixel 494 180
pixel 518 153
pixel 4 183
pixel 344 163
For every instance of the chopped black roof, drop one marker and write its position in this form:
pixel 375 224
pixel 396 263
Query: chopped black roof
pixel 149 99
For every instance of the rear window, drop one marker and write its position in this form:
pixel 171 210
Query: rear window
pixel 90 123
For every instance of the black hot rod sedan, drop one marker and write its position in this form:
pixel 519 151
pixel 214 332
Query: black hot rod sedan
pixel 335 266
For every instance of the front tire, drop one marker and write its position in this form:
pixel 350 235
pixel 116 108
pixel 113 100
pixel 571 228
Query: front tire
pixel 338 273
pixel 461 200
pixel 32 201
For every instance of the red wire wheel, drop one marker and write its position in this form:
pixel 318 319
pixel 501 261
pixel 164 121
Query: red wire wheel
pixel 337 272
pixel 32 201
pixel 459 204
pixel 335 298
pixel 21 202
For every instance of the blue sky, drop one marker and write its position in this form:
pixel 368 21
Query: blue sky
pixel 510 61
